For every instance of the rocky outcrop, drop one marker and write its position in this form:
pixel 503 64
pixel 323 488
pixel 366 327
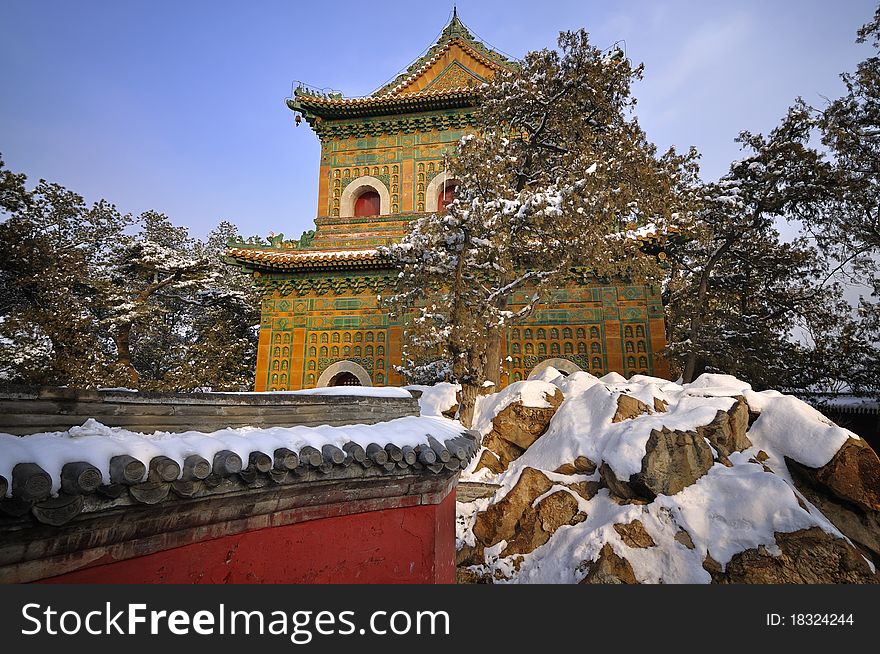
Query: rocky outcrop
pixel 847 491
pixel 809 556
pixel 526 527
pixel 537 524
pixel 609 568
pixel 633 534
pixel 581 466
pixel 629 407
pixel 516 427
pixel 673 461
pixel 727 431
pixel 501 521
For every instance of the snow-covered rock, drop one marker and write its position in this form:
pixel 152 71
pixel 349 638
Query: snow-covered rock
pixel 657 482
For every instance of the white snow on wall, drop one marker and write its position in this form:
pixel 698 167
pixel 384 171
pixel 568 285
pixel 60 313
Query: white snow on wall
pixel 96 443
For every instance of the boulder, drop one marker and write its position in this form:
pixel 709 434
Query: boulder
pixel 673 461
pixel 489 461
pixel 517 426
pixel 808 556
pixel 660 406
pixel 847 491
pixel 581 466
pixel 727 431
pixel 609 568
pixel 683 537
pixel 633 534
pixel 629 407
pixel 586 489
pixel 538 523
pixel 501 520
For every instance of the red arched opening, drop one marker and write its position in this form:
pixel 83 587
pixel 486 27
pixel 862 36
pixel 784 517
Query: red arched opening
pixel 367 204
pixel 446 196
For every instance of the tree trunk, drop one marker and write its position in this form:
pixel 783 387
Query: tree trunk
pixel 493 359
pixel 122 338
pixel 469 393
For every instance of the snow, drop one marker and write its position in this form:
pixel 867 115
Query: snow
pixel 725 512
pixel 436 399
pixel 794 429
pixel 531 393
pixel 96 443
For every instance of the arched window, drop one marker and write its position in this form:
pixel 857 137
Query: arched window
pixel 594 332
pixel 367 203
pixel 629 347
pixel 285 365
pixel 335 351
pixel 542 348
pixel 358 337
pixel 380 337
pixel 581 333
pixel 276 338
pixel 313 352
pixel 286 352
pixel 517 376
pixel 368 351
pixel 640 331
pixel 324 337
pixel 380 378
pixel 640 346
pixel 515 348
pixel 346 351
pixel 530 349
pixel 370 337
pixel 582 348
pixel 275 364
pixel 324 351
pixel 276 351
pixel 380 364
pixel 311 380
pixel 311 365
pixel 566 333
pixel 595 347
pixel 514 335
pixel 568 348
pixel 541 333
pixel 527 334
pixel 643 362
pixel 597 363
pixel 313 338
pixel 445 197
pixel 335 337
pixel 357 350
pixel 380 351
pixel 517 362
pixel 631 362
pixel 554 333
pixel 628 332
pixel 346 338
pixel 554 348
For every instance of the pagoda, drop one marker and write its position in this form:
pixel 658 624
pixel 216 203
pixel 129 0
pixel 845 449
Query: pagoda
pixel 384 163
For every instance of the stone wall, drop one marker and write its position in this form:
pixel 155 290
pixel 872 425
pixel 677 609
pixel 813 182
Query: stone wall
pixel 34 410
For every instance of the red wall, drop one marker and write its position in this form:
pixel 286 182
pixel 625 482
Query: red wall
pixel 402 545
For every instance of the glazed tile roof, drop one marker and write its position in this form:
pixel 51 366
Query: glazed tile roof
pixel 394 97
pixel 292 259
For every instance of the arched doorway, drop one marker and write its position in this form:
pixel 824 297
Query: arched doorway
pixel 564 366
pixel 446 196
pixel 344 378
pixel 335 375
pixel 367 204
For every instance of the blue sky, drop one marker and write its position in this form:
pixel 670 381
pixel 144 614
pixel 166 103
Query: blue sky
pixel 179 106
